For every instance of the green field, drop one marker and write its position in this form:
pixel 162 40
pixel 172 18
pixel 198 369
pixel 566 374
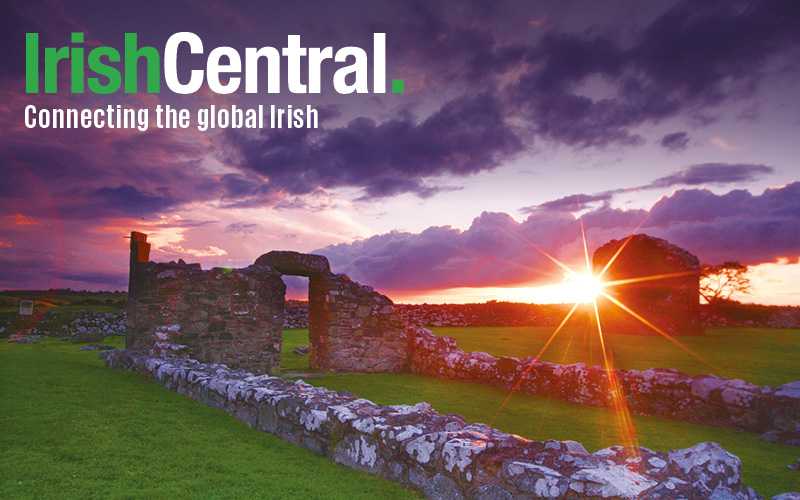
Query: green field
pixel 762 356
pixel 63 300
pixel 533 417
pixel 69 428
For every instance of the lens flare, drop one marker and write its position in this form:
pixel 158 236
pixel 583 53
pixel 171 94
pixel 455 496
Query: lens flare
pixel 589 286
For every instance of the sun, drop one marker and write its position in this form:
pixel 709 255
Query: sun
pixel 583 288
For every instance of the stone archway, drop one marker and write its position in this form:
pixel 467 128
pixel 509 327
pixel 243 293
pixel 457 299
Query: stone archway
pixel 235 316
pixel 352 328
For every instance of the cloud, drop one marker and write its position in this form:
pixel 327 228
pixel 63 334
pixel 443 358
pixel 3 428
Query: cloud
pixel 465 136
pixel 241 227
pixel 723 144
pixel 497 250
pixel 593 89
pixel 704 174
pixel 571 204
pixel 677 141
pixel 711 173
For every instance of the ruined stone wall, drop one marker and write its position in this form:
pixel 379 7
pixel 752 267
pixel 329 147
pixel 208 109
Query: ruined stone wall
pixel 668 393
pixel 231 316
pixel 236 316
pixel 353 328
pixel 443 456
pixel 659 281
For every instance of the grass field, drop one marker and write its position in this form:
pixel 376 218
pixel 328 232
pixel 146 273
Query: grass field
pixel 533 417
pixel 63 300
pixel 761 356
pixel 69 428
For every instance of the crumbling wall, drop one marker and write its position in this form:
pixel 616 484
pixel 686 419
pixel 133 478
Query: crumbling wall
pixel 668 393
pixel 364 332
pixel 661 283
pixel 231 316
pixel 236 316
pixel 444 456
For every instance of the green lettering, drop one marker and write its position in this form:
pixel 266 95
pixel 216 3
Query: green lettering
pixel 51 58
pixel 77 65
pixel 96 65
pixel 132 55
pixel 32 63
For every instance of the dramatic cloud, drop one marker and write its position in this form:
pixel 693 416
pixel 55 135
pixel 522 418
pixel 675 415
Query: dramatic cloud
pixel 497 250
pixel 465 136
pixel 591 90
pixel 677 141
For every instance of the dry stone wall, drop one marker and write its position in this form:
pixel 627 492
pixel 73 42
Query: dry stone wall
pixel 236 316
pixel 231 316
pixel 362 332
pixel 443 456
pixel 668 393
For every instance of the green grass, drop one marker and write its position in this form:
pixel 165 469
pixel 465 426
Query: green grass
pixel 533 417
pixel 123 436
pixel 291 362
pixel 761 356
pixel 763 464
pixel 63 300
pixel 71 428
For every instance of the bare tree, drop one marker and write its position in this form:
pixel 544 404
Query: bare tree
pixel 724 280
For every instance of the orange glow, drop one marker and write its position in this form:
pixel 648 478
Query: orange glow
pixel 22 220
pixel 575 288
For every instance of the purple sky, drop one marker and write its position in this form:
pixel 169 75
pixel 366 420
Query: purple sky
pixel 682 113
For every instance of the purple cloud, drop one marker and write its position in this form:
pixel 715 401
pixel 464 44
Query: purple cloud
pixel 496 249
pixel 712 173
pixel 691 59
pixel 677 141
pixel 464 137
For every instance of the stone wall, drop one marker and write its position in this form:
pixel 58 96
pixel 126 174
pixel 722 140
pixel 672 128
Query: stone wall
pixel 443 456
pixel 364 333
pixel 231 316
pixel 236 316
pixel 658 280
pixel 668 393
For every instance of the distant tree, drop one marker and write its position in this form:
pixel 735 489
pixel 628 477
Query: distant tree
pixel 723 281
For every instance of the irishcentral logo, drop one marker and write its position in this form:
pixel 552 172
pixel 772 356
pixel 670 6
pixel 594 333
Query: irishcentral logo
pixel 225 68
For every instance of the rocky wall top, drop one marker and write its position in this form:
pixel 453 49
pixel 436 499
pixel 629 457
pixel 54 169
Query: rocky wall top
pixel 444 456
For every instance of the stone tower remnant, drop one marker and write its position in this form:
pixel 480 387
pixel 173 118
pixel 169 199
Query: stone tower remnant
pixel 663 288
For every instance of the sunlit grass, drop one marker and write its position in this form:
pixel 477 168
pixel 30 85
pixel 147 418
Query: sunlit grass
pixel 71 428
pixel 762 356
pixel 534 417
pixel 123 436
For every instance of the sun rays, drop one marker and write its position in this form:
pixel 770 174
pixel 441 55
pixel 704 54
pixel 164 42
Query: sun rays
pixel 593 290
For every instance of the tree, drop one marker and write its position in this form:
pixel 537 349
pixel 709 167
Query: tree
pixel 724 280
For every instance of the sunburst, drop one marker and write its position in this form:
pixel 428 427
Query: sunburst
pixel 596 287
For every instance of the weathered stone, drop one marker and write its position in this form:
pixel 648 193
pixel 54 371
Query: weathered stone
pixel 671 302
pixel 708 463
pixel 89 335
pixel 236 316
pixel 295 263
pixel 787 496
pixel 302 350
pixel 441 455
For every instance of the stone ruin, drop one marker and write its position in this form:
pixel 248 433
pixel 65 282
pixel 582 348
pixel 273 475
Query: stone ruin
pixel 443 456
pixel 235 316
pixel 664 286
